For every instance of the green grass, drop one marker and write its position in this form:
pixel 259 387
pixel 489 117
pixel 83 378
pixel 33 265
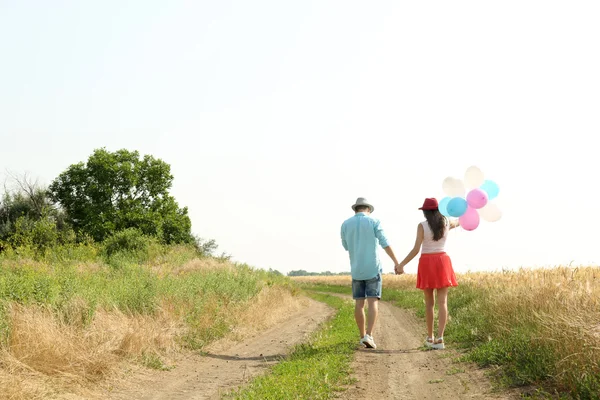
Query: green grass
pixel 317 369
pixel 434 381
pixel 454 371
pixel 154 361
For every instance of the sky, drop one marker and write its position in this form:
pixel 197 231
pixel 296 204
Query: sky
pixel 275 116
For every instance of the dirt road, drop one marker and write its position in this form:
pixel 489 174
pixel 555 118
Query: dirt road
pixel 397 369
pixel 400 369
pixel 225 365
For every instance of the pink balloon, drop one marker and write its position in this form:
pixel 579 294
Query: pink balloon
pixel 477 198
pixel 470 219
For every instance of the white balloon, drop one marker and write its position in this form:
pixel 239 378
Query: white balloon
pixel 474 177
pixel 447 185
pixel 490 212
pixel 453 187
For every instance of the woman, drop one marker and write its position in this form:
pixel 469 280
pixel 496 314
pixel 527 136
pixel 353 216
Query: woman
pixel 435 270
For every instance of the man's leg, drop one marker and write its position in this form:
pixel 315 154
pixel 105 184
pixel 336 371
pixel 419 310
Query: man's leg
pixel 373 313
pixel 373 292
pixel 358 293
pixel 359 316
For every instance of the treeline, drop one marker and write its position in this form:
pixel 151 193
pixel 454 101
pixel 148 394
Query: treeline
pixel 302 272
pixel 119 195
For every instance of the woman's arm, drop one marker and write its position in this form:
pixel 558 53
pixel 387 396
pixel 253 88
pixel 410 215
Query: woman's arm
pixel 414 251
pixel 454 224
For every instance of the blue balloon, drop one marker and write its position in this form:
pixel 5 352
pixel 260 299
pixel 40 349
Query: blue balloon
pixel 443 204
pixel 456 207
pixel 491 188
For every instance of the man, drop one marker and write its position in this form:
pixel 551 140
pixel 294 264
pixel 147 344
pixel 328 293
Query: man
pixel 360 236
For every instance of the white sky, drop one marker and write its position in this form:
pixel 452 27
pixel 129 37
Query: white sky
pixel 276 115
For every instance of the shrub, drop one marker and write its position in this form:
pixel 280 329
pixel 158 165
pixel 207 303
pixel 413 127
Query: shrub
pixel 129 245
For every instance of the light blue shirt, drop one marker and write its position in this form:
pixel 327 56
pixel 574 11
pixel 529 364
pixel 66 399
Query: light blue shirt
pixel 360 236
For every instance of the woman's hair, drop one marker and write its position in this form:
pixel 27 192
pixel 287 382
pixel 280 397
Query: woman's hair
pixel 437 223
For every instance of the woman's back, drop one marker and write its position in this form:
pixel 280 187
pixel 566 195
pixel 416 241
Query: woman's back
pixel 429 245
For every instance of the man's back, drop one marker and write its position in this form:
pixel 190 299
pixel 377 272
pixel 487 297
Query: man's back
pixel 361 234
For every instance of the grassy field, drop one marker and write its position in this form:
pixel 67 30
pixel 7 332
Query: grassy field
pixel 539 328
pixel 73 318
pixel 316 369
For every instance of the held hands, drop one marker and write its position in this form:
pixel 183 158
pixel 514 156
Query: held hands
pixel 399 269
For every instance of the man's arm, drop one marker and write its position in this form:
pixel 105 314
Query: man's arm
pixel 379 233
pixel 343 238
pixel 390 253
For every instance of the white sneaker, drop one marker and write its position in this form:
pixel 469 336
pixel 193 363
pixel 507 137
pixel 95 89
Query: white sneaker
pixel 438 344
pixel 368 342
pixel 429 342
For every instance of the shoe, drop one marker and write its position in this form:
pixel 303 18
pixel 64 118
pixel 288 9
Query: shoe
pixel 368 342
pixel 438 344
pixel 429 342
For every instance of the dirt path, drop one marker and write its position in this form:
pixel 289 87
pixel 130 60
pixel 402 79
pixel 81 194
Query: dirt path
pixel 225 365
pixel 399 369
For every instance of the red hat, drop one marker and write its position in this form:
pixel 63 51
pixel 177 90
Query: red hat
pixel 429 204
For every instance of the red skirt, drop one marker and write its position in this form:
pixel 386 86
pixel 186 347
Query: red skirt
pixel 435 271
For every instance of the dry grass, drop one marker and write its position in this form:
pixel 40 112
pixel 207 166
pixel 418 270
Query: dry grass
pixel 197 264
pixel 17 382
pixel 272 305
pixel 44 353
pixel 338 280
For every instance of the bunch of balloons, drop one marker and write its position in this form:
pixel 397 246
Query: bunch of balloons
pixel 470 200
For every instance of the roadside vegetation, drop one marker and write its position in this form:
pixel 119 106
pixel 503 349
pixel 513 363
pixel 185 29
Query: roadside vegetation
pixel 537 328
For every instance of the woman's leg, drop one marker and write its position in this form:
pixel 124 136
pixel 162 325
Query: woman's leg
pixel 442 302
pixel 429 304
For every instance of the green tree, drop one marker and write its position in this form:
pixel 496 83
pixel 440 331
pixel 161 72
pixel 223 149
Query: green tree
pixel 118 190
pixel 299 272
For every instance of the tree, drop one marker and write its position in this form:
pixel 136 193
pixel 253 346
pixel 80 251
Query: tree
pixel 28 217
pixel 300 272
pixel 114 191
pixel 26 198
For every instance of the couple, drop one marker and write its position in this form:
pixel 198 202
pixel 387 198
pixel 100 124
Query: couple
pixel 360 236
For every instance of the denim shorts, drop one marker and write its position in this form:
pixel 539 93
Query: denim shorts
pixel 367 288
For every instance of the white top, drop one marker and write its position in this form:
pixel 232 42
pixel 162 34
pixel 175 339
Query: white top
pixel 428 245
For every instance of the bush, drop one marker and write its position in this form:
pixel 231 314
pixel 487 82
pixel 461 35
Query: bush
pixel 129 245
pixel 40 235
pixel 205 247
